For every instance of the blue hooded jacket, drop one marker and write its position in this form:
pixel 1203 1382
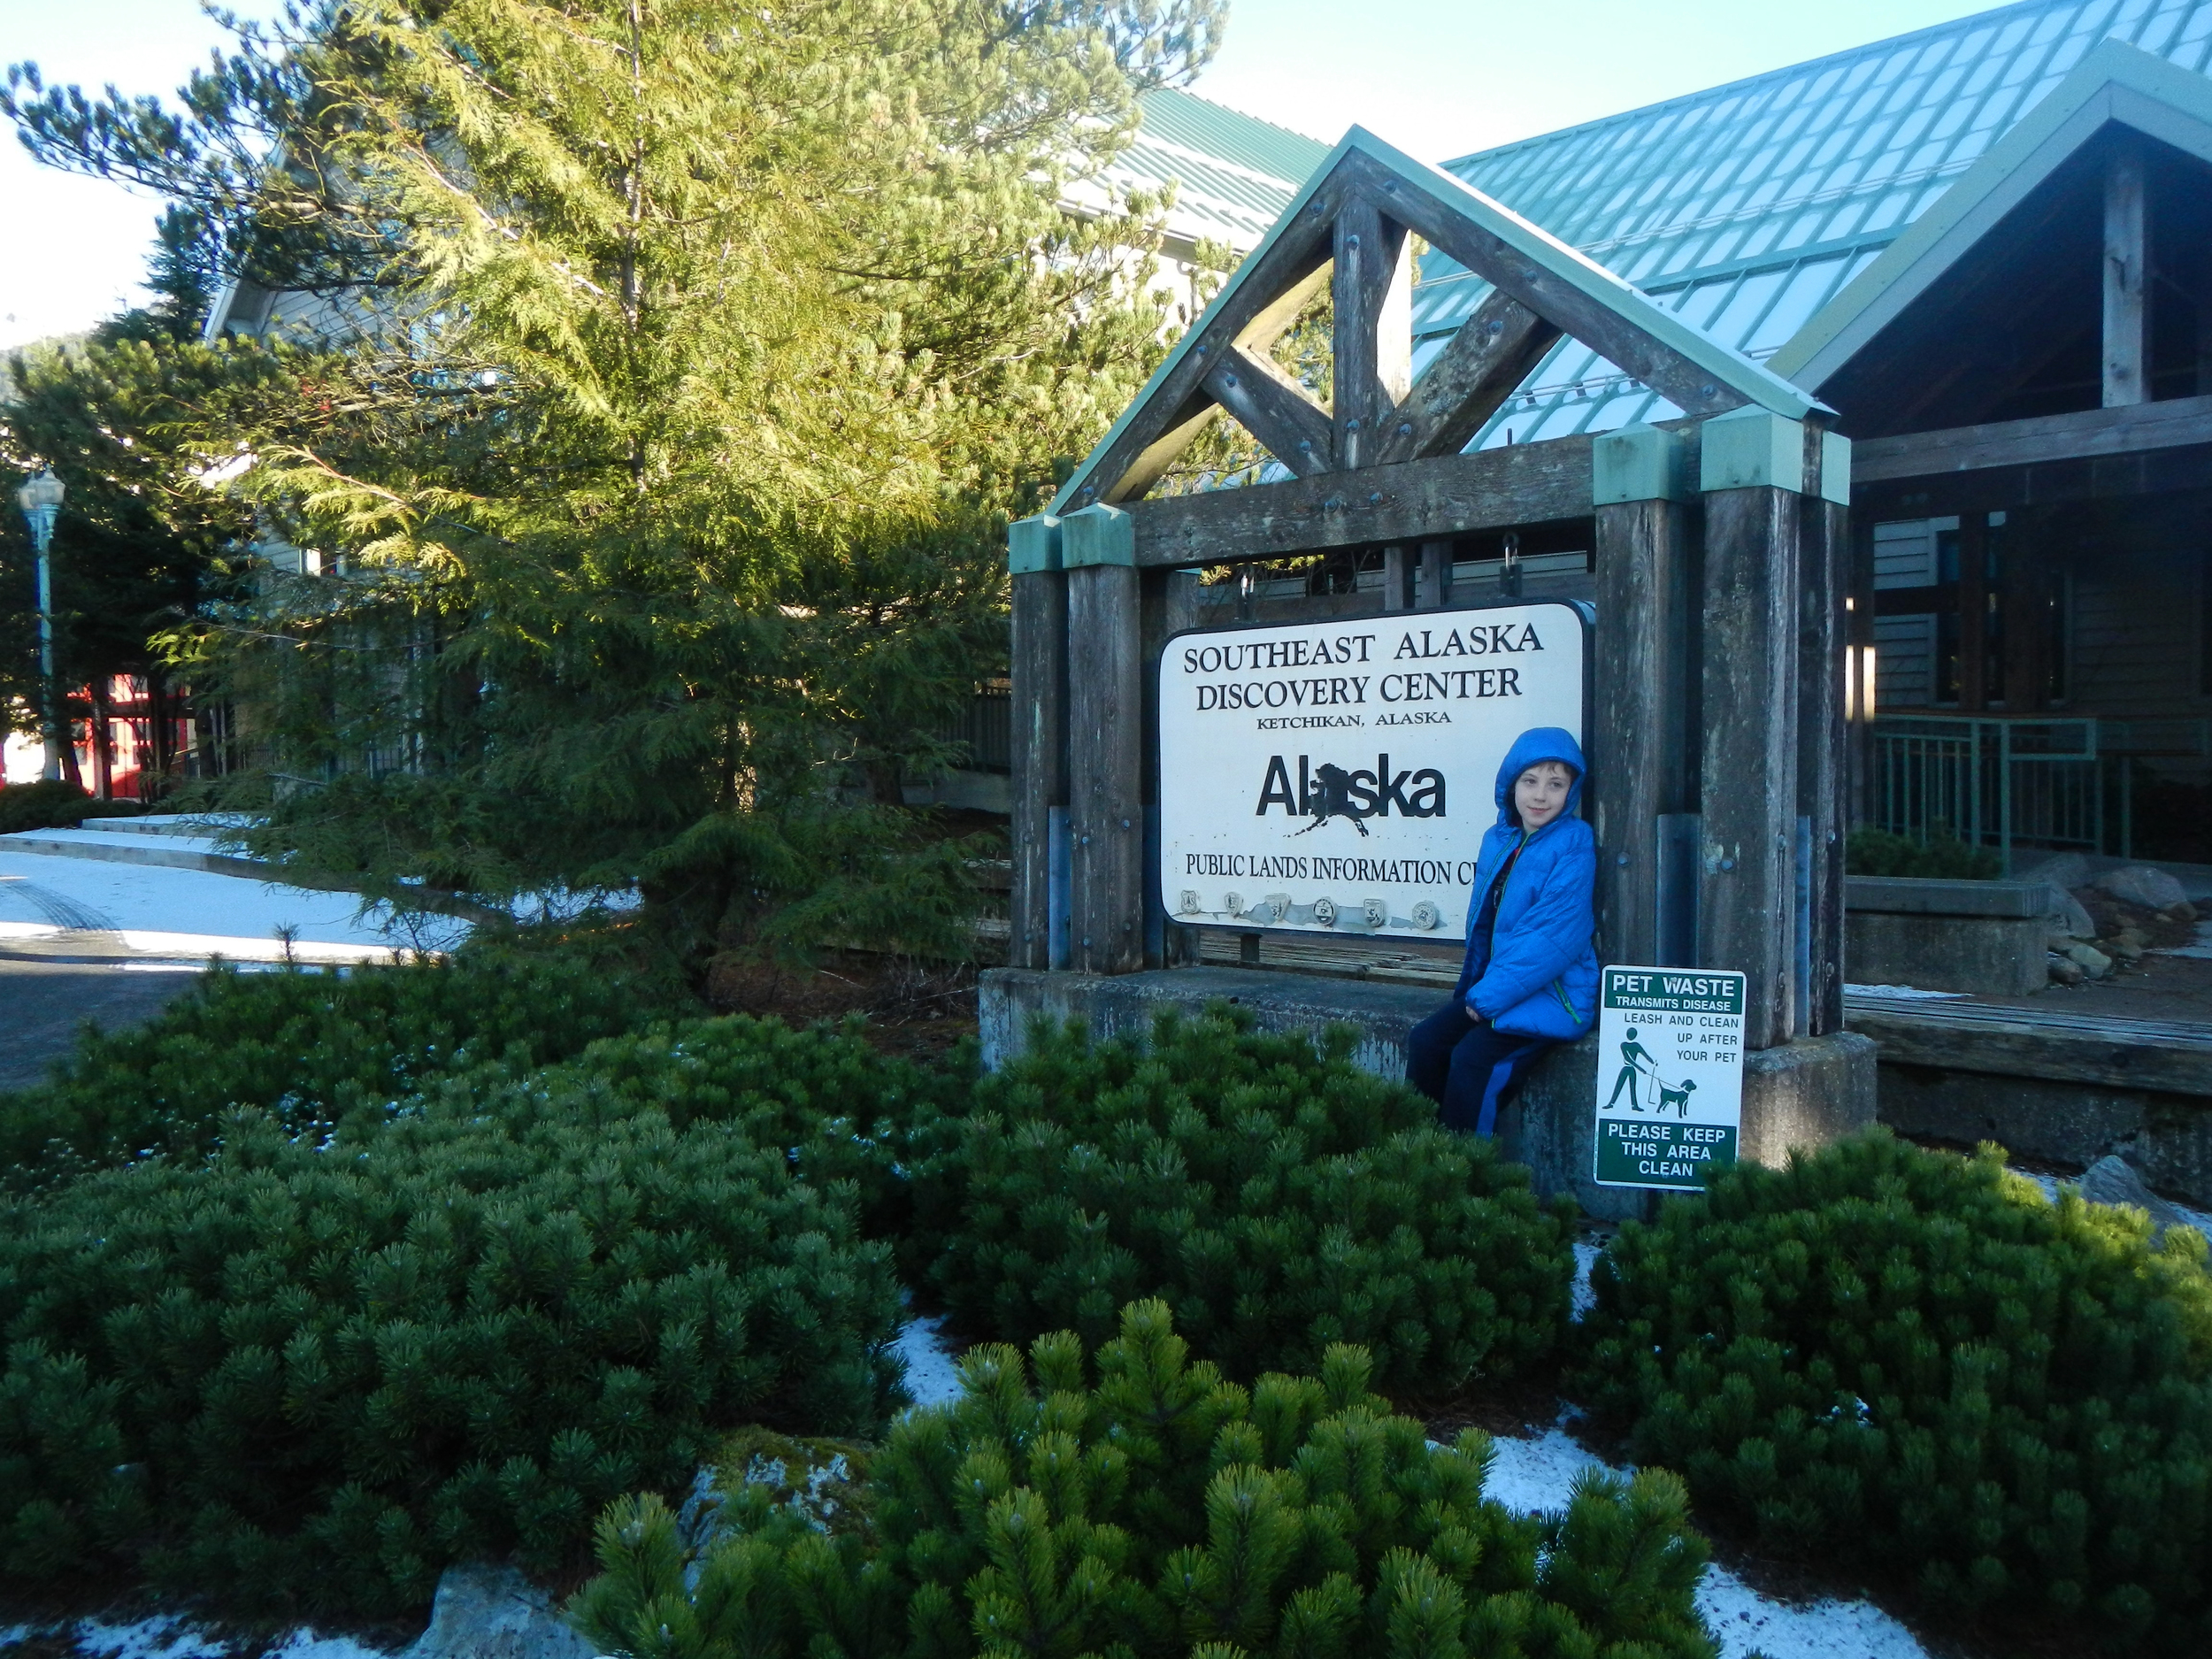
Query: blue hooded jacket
pixel 1538 975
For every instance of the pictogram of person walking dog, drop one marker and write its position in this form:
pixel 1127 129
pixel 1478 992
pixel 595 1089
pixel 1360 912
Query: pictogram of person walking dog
pixel 1636 1065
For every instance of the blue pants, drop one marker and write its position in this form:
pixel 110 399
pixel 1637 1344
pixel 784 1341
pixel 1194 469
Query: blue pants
pixel 1467 1068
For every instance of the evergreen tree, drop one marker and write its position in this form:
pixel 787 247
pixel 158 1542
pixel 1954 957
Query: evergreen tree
pixel 697 353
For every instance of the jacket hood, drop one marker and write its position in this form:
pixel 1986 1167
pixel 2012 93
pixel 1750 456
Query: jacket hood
pixel 1542 742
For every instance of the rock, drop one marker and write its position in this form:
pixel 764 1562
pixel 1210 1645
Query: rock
pixel 2091 960
pixel 2140 884
pixel 2184 911
pixel 2125 950
pixel 2065 970
pixel 484 1611
pixel 2071 918
pixel 2112 1180
pixel 2062 870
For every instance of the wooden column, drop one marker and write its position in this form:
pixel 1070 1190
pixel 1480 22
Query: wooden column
pixel 1824 574
pixel 1170 606
pixel 1973 596
pixel 1638 737
pixel 1398 572
pixel 1105 742
pixel 1372 340
pixel 2126 278
pixel 1039 728
pixel 1436 575
pixel 1752 470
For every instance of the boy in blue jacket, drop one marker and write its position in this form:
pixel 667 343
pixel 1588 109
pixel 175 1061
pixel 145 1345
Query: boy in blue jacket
pixel 1531 976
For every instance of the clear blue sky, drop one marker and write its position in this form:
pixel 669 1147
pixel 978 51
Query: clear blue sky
pixel 1436 77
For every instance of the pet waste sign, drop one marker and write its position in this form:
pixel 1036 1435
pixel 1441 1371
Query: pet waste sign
pixel 1337 777
pixel 1670 1096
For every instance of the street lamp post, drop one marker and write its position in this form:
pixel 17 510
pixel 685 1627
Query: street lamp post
pixel 41 501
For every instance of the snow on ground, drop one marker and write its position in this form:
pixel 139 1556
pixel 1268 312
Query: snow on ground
pixel 2201 947
pixel 1902 993
pixel 164 911
pixel 1539 1473
pixel 931 1375
pixel 1586 1253
pixel 167 1636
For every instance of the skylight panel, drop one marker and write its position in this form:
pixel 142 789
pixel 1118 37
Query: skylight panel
pixel 2196 26
pixel 1746 306
pixel 1696 305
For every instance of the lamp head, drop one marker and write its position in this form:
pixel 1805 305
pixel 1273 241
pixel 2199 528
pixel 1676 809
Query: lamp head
pixel 45 490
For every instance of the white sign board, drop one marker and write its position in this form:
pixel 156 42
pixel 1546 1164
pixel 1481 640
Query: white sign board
pixel 1337 777
pixel 1670 1096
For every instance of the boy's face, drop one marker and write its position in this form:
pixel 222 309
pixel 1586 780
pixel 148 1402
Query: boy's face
pixel 1540 795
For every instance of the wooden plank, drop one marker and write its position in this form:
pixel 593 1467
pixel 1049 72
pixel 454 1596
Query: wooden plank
pixel 1274 409
pixel 1415 501
pixel 1397 579
pixel 1372 259
pixel 1040 755
pixel 1973 603
pixel 1747 896
pixel 1637 736
pixel 1105 769
pixel 1173 412
pixel 2029 1042
pixel 1658 365
pixel 1477 371
pixel 1824 561
pixel 2171 424
pixel 2127 379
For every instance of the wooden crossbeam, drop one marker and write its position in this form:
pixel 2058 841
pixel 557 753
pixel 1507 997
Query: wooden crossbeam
pixel 1274 409
pixel 1477 371
pixel 1696 390
pixel 1177 408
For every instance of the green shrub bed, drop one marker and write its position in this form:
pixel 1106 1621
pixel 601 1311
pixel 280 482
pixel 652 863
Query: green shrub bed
pixel 311 1047
pixel 1913 1361
pixel 55 803
pixel 306 1372
pixel 1279 1199
pixel 1155 1511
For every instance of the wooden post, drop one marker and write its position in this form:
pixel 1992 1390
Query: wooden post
pixel 1398 573
pixel 1373 338
pixel 1973 597
pixel 1105 742
pixel 1823 563
pixel 1170 606
pixel 2126 278
pixel 1637 737
pixel 1436 575
pixel 1039 728
pixel 1752 467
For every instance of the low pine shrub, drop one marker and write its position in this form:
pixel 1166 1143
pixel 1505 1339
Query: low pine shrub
pixel 55 803
pixel 1915 1361
pixel 308 1046
pixel 1276 1197
pixel 306 1372
pixel 1869 851
pixel 1156 1512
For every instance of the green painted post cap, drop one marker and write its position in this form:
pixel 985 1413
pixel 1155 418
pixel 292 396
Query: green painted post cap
pixel 1638 463
pixel 1033 545
pixel 1748 448
pixel 1098 535
pixel 1835 468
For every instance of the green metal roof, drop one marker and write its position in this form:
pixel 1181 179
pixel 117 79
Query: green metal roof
pixel 1747 208
pixel 1234 174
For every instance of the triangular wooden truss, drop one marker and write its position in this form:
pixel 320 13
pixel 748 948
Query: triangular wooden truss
pixel 1350 227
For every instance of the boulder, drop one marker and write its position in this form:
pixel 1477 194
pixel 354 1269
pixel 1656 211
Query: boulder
pixel 2112 1180
pixel 2140 884
pixel 2065 970
pixel 484 1611
pixel 2071 918
pixel 2062 870
pixel 2091 960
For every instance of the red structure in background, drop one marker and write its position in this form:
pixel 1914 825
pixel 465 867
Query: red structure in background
pixel 130 738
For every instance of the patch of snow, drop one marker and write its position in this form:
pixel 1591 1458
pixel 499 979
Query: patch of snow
pixel 1745 1621
pixel 932 1376
pixel 2201 947
pixel 1902 993
pixel 1586 1253
pixel 1539 1472
pixel 164 1636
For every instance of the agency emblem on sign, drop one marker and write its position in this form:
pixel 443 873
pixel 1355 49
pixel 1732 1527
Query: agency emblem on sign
pixel 1337 777
pixel 1669 1095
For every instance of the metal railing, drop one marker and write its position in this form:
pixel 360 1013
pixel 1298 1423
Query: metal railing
pixel 2057 784
pixel 1992 783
